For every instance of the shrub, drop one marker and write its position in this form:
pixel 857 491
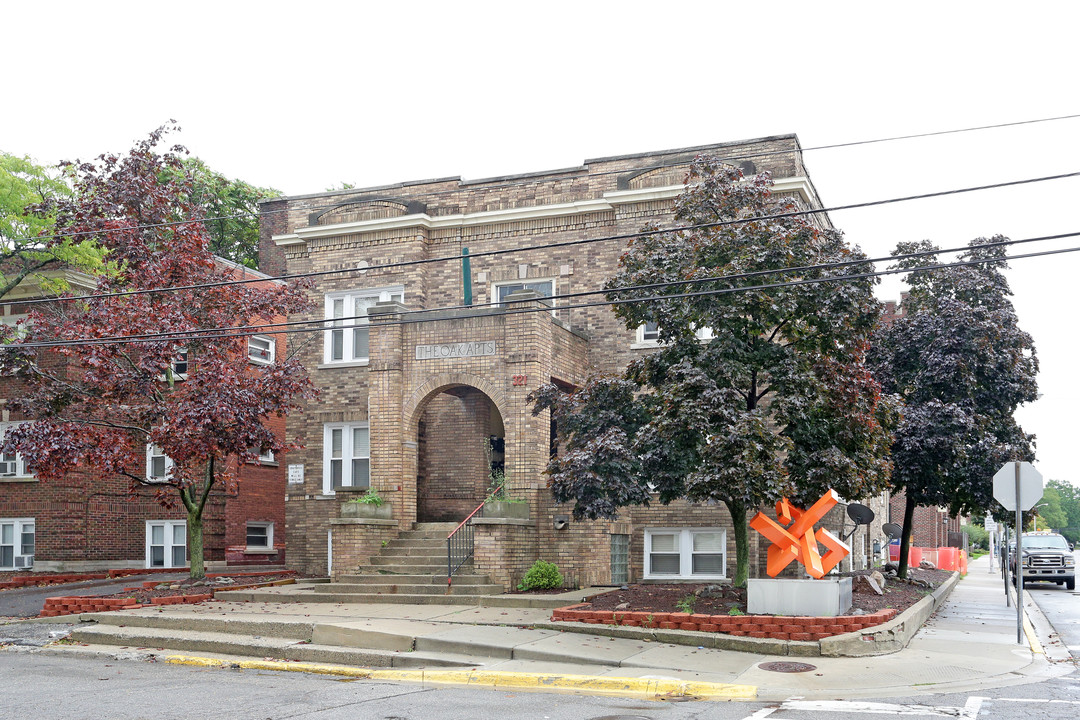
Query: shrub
pixel 542 576
pixel 371 497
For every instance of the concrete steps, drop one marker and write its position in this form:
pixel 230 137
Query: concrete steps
pixel 282 648
pixel 411 569
pixel 365 642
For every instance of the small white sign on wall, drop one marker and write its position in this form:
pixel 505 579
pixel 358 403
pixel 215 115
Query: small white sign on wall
pixel 296 474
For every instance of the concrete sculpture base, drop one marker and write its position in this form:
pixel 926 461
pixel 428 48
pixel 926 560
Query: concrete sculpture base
pixel 827 597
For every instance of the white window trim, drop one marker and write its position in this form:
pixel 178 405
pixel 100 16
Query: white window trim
pixel 522 281
pixel 641 343
pixel 12 321
pixel 686 550
pixel 150 454
pixel 169 525
pixel 346 454
pixel 263 458
pixel 349 297
pixel 20 464
pixel 271 350
pixel 269 546
pixel 17 533
pixel 525 281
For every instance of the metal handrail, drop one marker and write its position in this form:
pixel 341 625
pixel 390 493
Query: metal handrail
pixel 459 548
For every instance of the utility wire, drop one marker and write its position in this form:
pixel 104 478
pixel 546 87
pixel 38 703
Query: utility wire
pixel 532 176
pixel 270 328
pixel 247 331
pixel 549 246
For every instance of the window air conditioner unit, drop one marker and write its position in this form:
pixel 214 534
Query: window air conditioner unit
pixel 24 561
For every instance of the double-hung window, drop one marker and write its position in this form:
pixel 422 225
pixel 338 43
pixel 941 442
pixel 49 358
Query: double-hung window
pixel 648 335
pixel 346 456
pixel 346 339
pixel 16 543
pixel 685 552
pixel 11 464
pixel 504 290
pixel 261 349
pixel 158 464
pixel 166 543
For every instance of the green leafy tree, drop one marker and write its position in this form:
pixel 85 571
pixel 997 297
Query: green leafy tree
pixel 1069 496
pixel 28 247
pixel 1050 512
pixel 232 209
pixel 962 365
pixel 773 399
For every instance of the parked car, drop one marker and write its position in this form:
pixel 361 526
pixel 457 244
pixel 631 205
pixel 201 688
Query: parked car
pixel 1047 558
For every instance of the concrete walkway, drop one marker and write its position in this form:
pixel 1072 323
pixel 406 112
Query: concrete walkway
pixel 969 644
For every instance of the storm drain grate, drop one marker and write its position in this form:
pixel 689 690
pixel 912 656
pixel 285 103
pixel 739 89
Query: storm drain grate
pixel 787 667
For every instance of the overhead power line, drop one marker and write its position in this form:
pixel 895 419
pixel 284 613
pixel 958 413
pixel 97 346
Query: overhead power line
pixel 416 316
pixel 532 177
pixel 550 246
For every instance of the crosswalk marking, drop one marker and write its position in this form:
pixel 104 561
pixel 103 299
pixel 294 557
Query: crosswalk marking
pixel 969 711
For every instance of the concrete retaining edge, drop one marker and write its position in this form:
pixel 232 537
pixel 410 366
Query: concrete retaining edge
pixel 889 637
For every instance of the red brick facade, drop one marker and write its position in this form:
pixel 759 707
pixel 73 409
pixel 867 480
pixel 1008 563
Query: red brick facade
pixel 87 521
pixel 432 391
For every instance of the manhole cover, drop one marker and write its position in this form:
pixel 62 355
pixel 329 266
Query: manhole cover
pixel 788 667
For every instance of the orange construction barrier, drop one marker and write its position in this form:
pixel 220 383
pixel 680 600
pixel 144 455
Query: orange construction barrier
pixel 948 558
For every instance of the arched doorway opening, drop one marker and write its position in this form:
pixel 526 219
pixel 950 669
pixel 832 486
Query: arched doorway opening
pixel 460 445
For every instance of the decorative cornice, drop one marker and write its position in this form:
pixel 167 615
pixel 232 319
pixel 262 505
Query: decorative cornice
pixel 607 203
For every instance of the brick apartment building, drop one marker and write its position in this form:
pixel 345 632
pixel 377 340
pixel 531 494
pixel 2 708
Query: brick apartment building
pixel 423 407
pixel 87 521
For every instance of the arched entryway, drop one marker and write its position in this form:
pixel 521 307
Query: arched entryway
pixel 460 447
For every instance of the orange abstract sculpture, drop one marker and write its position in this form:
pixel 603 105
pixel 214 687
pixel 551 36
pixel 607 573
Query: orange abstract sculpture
pixel 794 537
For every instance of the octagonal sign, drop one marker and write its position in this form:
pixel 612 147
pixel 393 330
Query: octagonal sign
pixel 1031 485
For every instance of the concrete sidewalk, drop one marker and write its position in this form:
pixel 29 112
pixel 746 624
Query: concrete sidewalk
pixel 969 644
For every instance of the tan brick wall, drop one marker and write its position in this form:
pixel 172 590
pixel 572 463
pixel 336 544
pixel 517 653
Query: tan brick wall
pixel 427 447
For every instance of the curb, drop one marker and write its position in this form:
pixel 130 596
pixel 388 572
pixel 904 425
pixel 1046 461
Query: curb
pixel 888 637
pixel 643 688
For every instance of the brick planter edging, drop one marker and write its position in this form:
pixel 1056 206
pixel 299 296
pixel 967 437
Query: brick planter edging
pixel 776 627
pixel 887 637
pixel 75 605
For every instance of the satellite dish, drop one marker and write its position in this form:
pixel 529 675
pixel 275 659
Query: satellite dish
pixel 893 530
pixel 860 514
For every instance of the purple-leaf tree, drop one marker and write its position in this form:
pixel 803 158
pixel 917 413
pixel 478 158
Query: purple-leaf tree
pixel 99 400
pixel 962 365
pixel 757 389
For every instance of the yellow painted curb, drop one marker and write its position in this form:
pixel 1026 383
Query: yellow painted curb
pixel 589 684
pixel 1032 638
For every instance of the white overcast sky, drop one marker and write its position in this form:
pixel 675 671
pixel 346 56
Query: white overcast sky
pixel 301 96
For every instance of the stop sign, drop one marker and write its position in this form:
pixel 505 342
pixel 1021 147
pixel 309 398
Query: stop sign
pixel 1031 485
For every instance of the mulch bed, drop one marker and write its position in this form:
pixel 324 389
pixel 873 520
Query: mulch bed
pixel 722 599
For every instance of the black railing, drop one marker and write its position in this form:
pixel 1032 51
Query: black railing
pixel 459 543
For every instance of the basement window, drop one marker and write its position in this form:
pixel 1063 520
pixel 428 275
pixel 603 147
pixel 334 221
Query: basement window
pixel 260 536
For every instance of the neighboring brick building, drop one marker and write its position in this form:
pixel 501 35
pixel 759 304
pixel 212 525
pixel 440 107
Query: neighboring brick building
pixel 87 521
pixel 931 527
pixel 425 411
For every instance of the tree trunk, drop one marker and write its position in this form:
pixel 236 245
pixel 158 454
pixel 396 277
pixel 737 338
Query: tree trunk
pixel 905 536
pixel 195 543
pixel 742 542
